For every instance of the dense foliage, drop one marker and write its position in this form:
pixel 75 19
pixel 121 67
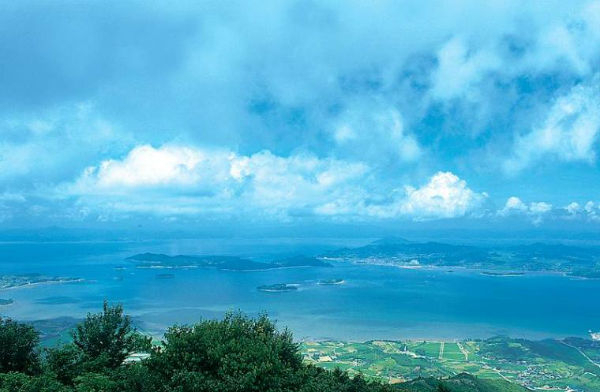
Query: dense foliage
pixel 236 354
pixel 18 347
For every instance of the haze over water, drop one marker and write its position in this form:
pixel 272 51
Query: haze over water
pixel 375 301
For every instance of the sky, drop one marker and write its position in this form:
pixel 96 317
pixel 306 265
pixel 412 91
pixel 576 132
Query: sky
pixel 300 113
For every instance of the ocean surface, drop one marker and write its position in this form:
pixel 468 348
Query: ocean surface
pixel 376 302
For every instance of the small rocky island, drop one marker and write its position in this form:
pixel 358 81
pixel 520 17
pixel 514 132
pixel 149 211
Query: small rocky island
pixel 4 302
pixel 277 288
pixel 330 282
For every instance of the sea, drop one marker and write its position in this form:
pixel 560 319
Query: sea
pixel 374 302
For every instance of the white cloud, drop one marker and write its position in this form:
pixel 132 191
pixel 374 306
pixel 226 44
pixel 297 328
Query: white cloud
pixel 146 166
pixel 374 132
pixel 185 180
pixel 344 133
pixel 514 204
pixel 589 206
pixel 53 144
pixel 177 179
pixel 587 211
pixel 573 208
pixel 569 133
pixel 459 70
pixel 445 195
pixel 534 210
pixel 538 208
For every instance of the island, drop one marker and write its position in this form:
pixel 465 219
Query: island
pixel 278 287
pixel 502 273
pixel 330 282
pixel 4 302
pixel 497 260
pixel 34 279
pixel 226 263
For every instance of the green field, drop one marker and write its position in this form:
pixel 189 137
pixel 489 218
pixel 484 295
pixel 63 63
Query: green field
pixel 559 364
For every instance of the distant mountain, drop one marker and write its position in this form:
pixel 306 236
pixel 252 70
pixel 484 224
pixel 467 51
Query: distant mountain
pixel 568 259
pixel 426 252
pixel 234 263
pixel 460 383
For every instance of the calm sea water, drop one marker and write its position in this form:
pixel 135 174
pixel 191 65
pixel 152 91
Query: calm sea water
pixel 375 302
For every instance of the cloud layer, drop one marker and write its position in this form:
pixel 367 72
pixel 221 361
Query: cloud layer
pixel 299 110
pixel 178 180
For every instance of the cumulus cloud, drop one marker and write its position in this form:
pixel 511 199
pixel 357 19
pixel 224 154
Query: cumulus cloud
pixel 515 205
pixel 175 179
pixel 145 166
pixel 444 195
pixel 588 211
pixel 183 179
pixel 536 211
pixel 573 208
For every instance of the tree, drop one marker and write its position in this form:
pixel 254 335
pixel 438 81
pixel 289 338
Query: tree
pixel 18 344
pixel 93 382
pixel 235 354
pixel 442 388
pixel 65 362
pixel 107 338
pixel 11 382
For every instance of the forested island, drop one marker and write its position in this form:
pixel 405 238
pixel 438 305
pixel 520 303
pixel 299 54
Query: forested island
pixel 23 280
pixel 576 261
pixel 509 260
pixel 230 263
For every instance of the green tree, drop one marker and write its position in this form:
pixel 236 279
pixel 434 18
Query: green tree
pixel 94 382
pixel 235 354
pixel 442 388
pixel 18 344
pixel 65 362
pixel 107 338
pixel 13 382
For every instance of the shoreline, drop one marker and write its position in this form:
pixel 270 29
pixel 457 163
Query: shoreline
pixel 451 268
pixel 48 283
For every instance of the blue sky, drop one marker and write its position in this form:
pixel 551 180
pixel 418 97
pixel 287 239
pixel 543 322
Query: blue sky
pixel 300 112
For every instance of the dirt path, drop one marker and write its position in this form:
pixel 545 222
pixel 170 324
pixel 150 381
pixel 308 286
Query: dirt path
pixel 464 351
pixel 581 352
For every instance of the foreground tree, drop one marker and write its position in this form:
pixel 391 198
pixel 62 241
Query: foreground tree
pixel 18 343
pixel 242 354
pixel 19 382
pixel 235 354
pixel 105 339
